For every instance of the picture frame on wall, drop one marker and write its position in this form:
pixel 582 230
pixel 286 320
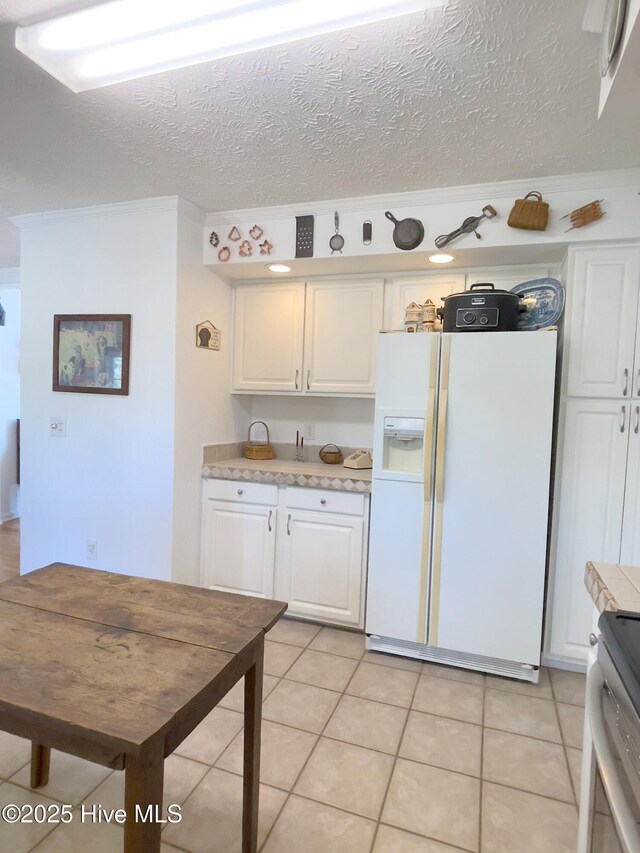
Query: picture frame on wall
pixel 91 353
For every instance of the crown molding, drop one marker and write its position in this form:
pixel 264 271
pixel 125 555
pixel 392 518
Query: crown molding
pixel 10 276
pixel 419 198
pixel 144 205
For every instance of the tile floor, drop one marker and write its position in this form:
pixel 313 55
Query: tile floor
pixel 362 753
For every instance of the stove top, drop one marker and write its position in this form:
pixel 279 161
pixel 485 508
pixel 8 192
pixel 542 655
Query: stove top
pixel 620 632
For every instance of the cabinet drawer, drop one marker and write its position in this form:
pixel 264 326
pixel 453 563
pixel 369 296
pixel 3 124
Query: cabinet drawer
pixel 326 500
pixel 239 490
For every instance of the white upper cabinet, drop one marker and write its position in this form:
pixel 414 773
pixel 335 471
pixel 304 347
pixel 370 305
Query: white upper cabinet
pixel 630 550
pixel 401 292
pixel 602 333
pixel 268 337
pixel 342 321
pixel 506 277
pixel 327 349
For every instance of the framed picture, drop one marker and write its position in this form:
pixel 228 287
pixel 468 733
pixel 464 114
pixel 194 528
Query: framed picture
pixel 91 353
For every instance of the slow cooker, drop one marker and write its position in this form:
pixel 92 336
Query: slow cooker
pixel 482 308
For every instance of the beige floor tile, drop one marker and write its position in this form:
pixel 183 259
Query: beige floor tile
pixel 367 723
pixel 574 757
pixel 571 724
pixel 526 763
pixel 448 698
pixel 322 670
pixel 453 673
pixel 278 657
pixel 15 752
pixel 438 803
pixel 338 642
pixel 282 756
pixel 392 840
pixel 521 715
pixel 181 775
pixel 317 828
pixel 604 835
pixel 21 837
pixel 300 705
pixel 347 776
pixel 517 821
pixel 79 837
pixel 234 700
pixel 214 734
pixel 383 684
pixel 71 779
pixel 442 742
pixel 212 815
pixel 541 690
pixel 393 661
pixel 568 687
pixel 294 633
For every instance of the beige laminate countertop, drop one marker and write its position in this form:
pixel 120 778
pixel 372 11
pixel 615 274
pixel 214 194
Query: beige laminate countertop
pixel 282 472
pixel 613 587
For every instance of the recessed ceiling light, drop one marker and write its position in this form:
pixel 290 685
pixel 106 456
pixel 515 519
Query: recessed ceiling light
pixel 441 258
pixel 279 268
pixel 128 39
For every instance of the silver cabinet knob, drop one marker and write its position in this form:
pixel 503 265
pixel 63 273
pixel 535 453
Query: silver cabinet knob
pixel 593 639
pixel 240 491
pixel 323 501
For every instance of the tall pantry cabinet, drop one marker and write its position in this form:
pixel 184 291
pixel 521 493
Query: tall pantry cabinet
pixel 597 500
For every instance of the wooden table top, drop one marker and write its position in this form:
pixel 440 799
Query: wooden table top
pixel 118 659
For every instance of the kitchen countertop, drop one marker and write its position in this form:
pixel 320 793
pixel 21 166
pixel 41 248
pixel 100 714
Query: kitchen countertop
pixel 282 472
pixel 613 587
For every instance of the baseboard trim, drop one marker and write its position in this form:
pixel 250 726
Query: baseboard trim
pixel 8 516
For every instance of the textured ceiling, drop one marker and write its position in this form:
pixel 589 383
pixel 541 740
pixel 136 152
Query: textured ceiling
pixel 481 90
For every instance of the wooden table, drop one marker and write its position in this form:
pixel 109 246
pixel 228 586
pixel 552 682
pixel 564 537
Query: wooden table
pixel 119 670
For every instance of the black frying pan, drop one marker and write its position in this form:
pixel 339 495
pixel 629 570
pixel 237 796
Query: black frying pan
pixel 408 233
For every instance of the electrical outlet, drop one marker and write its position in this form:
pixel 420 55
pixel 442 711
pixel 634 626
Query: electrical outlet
pixel 310 432
pixel 58 426
pixel 92 549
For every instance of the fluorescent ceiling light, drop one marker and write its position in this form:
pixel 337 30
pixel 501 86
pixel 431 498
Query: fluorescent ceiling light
pixel 127 39
pixel 279 268
pixel 441 258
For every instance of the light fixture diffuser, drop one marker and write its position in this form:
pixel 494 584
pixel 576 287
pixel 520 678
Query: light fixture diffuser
pixel 128 39
pixel 279 267
pixel 441 258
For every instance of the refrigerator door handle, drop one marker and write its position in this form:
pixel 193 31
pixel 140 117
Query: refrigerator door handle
pixel 439 489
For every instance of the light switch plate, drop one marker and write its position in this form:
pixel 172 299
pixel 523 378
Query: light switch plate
pixel 58 427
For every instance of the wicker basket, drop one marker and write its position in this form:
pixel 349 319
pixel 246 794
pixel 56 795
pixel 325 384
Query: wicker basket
pixel 530 213
pixel 255 450
pixel 331 457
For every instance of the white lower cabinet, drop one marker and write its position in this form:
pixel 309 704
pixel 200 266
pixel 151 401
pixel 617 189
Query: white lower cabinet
pixel 310 550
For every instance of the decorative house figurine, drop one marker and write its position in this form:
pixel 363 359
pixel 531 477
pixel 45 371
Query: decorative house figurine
pixel 428 316
pixel 413 317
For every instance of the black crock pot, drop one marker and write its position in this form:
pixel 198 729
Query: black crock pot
pixel 482 308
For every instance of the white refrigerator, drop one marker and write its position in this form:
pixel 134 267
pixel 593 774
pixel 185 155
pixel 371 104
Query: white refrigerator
pixel 460 498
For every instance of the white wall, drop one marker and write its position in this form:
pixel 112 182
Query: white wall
pixel 9 399
pixel 203 407
pixel 347 422
pixel 111 478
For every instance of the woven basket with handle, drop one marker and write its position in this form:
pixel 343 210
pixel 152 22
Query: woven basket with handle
pixel 331 457
pixel 530 213
pixel 258 450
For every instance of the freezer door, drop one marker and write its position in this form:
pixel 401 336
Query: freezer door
pixel 493 449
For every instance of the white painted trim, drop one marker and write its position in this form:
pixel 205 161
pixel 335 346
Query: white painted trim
pixel 470 192
pixel 144 205
pixel 10 277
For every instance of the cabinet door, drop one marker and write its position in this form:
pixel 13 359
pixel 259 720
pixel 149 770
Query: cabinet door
pixel 506 277
pixel 238 548
pixel 589 520
pixel 603 297
pixel 268 332
pixel 630 551
pixel 401 292
pixel 342 321
pixel 319 569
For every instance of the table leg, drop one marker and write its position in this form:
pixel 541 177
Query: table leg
pixel 252 725
pixel 143 782
pixel 40 758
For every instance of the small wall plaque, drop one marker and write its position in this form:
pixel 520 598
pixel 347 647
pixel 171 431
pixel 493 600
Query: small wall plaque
pixel 207 336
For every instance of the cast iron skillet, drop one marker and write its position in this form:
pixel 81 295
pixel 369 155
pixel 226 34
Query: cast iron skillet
pixel 408 233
